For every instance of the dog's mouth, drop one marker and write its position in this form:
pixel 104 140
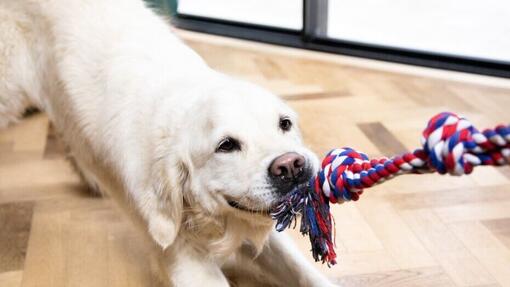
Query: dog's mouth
pixel 268 209
pixel 235 204
pixel 241 207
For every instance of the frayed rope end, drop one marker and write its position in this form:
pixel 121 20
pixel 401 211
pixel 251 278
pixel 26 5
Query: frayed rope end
pixel 316 220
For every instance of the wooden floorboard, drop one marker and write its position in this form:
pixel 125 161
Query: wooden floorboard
pixel 423 277
pixel 419 230
pixel 15 222
pixel 381 137
pixel 500 228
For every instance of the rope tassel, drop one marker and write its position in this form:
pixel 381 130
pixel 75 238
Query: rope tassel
pixel 450 144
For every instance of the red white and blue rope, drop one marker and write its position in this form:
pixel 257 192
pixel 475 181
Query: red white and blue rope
pixel 450 144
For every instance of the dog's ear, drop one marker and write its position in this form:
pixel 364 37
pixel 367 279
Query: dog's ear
pixel 169 181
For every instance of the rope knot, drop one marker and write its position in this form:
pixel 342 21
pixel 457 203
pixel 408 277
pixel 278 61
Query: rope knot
pixel 455 146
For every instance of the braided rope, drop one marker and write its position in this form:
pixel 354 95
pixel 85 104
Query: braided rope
pixel 450 144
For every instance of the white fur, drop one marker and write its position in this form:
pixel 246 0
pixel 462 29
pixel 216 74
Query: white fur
pixel 142 115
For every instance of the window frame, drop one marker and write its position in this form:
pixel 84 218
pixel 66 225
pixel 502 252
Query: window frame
pixel 312 37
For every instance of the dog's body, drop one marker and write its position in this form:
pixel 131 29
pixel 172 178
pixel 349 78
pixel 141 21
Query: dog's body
pixel 142 115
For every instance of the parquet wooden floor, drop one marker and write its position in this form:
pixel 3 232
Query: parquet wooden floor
pixel 422 230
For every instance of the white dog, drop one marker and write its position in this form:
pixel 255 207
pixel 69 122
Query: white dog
pixel 195 157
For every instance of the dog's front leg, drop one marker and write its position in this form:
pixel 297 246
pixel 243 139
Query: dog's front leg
pixel 188 268
pixel 282 260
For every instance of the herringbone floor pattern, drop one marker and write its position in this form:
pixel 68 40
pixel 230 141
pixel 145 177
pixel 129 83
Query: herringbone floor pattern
pixel 425 230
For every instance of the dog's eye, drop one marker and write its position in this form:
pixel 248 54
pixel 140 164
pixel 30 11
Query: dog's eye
pixel 285 124
pixel 228 145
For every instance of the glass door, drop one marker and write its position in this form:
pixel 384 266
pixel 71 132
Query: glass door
pixel 466 28
pixel 286 14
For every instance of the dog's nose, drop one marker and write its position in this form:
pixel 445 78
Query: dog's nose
pixel 288 166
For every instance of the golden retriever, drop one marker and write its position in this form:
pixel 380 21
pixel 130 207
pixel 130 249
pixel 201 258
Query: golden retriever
pixel 196 158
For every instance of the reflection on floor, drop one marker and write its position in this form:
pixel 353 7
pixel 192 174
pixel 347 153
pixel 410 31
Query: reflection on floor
pixel 414 231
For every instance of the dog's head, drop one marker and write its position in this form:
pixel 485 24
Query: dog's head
pixel 240 149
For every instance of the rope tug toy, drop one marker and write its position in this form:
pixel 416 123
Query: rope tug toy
pixel 450 145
